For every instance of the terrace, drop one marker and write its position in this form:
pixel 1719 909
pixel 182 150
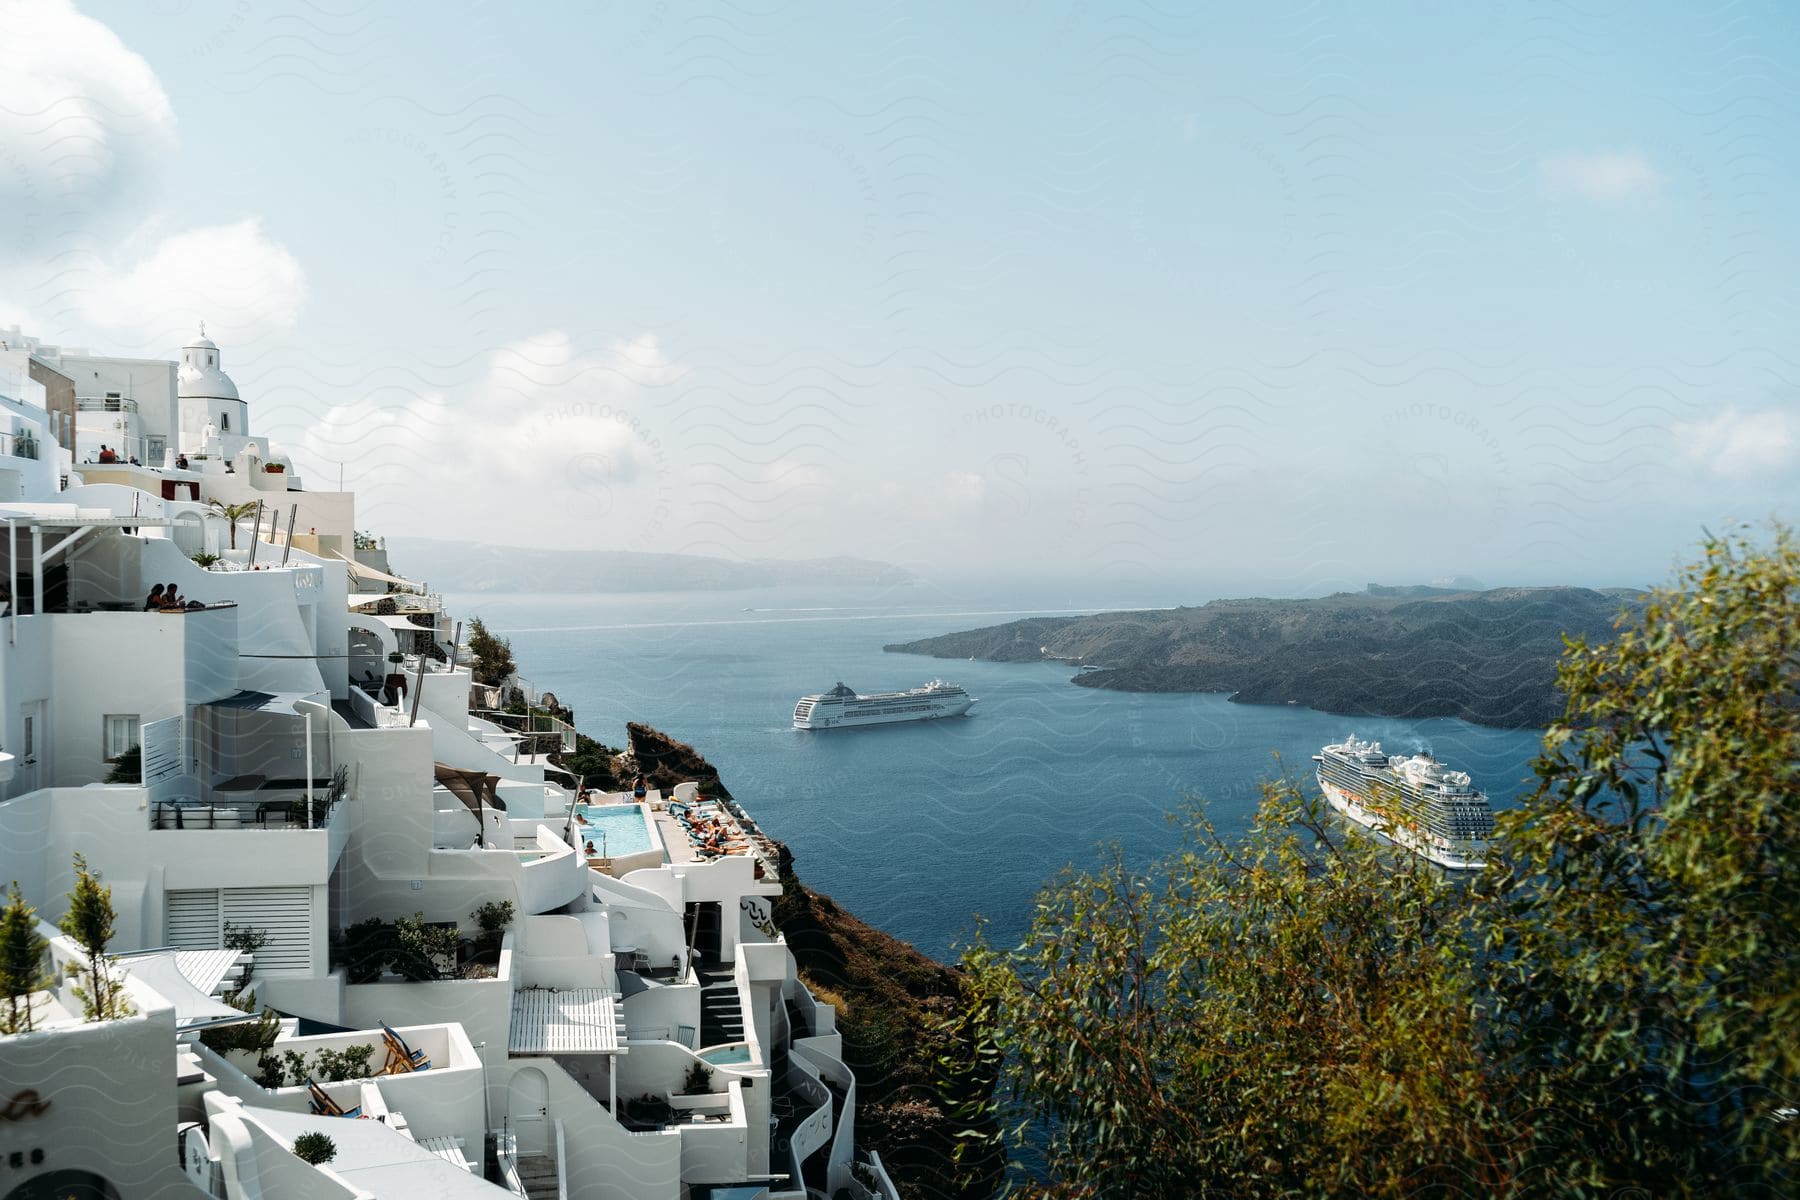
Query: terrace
pixel 705 831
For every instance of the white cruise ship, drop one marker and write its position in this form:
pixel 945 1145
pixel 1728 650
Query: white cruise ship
pixel 345 883
pixel 1415 802
pixel 842 708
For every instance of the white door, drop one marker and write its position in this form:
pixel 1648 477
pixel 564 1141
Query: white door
pixel 527 1108
pixel 33 738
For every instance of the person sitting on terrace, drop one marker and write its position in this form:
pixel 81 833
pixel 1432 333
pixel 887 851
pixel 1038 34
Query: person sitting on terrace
pixel 154 600
pixel 108 454
pixel 181 462
pixel 172 597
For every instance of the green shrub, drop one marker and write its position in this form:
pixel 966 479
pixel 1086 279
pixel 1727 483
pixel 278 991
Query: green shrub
pixel 128 767
pixel 366 948
pixel 315 1148
pixel 698 1081
pixel 419 948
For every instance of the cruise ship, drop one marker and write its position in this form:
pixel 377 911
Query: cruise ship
pixel 842 708
pixel 1415 802
pixel 369 939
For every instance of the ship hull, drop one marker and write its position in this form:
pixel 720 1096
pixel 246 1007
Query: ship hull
pixel 838 716
pixel 1470 858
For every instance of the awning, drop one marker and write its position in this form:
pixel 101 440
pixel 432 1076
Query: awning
pixel 160 971
pixel 400 621
pixel 281 703
pixel 362 572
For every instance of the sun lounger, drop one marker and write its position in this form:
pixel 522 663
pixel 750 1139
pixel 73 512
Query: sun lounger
pixel 324 1106
pixel 401 1058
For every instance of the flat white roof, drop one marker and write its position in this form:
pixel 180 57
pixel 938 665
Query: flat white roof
pixel 376 1159
pixel 566 1021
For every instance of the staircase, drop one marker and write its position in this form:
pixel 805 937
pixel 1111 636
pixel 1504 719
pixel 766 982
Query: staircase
pixel 538 1173
pixel 721 1016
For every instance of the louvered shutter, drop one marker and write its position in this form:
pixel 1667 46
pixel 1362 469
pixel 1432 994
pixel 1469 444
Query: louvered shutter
pixel 285 914
pixel 192 919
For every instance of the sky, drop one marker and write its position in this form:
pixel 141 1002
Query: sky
pixel 1281 297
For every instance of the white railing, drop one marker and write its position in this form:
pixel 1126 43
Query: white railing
pixel 506 1156
pixel 562 1174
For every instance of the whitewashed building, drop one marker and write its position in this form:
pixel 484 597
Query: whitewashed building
pixel 288 798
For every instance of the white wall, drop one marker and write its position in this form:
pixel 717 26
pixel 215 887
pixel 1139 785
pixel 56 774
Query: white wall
pixel 112 1104
pixel 605 1161
pixel 155 665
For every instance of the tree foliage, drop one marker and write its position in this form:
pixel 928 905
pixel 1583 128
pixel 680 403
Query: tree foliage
pixel 1610 1006
pixel 233 513
pixel 315 1148
pixel 22 953
pixel 1642 919
pixel 493 655
pixel 89 923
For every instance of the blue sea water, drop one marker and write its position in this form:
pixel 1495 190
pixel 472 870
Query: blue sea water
pixel 918 828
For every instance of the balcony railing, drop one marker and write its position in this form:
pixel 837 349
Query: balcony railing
pixel 536 732
pixel 113 404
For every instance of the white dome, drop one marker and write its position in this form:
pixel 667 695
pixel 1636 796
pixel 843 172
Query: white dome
pixel 201 377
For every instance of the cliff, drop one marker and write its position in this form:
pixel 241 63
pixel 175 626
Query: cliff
pixel 1487 657
pixel 894 1004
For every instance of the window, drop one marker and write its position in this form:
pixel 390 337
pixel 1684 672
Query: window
pixel 119 734
pixel 224 422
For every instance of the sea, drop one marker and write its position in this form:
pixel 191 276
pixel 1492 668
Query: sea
pixel 924 829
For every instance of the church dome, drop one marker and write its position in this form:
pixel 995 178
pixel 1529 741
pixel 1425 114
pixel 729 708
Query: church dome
pixel 201 377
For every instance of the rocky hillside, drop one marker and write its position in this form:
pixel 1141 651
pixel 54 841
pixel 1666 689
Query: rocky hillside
pixel 1487 657
pixel 894 1003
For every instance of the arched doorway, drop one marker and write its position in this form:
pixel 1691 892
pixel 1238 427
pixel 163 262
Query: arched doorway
pixel 527 1109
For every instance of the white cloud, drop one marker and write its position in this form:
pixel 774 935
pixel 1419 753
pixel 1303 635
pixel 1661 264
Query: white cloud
pixel 550 443
pixel 1741 443
pixel 235 277
pixel 1602 176
pixel 83 123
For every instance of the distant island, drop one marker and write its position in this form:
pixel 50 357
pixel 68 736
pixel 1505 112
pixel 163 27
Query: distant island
pixel 1485 656
pixel 453 566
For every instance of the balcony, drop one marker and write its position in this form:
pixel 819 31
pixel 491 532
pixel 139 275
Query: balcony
pixel 252 802
pixel 112 404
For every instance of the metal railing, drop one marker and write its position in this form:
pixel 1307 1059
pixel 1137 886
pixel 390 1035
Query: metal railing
pixel 113 404
pixel 532 728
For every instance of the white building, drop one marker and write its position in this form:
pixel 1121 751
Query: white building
pixel 640 1031
pixel 127 405
pixel 214 420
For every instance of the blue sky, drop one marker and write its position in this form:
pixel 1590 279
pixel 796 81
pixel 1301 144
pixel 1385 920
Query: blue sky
pixel 1291 298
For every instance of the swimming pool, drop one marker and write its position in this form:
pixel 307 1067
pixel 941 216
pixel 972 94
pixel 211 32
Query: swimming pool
pixel 736 1054
pixel 616 830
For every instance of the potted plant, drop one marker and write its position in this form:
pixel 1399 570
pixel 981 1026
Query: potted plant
pixel 492 919
pixel 315 1148
pixel 274 468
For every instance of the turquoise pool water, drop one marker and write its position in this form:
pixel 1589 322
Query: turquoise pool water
pixel 615 829
pixel 728 1056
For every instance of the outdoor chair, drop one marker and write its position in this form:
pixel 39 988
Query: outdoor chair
pixel 401 1058
pixel 324 1106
